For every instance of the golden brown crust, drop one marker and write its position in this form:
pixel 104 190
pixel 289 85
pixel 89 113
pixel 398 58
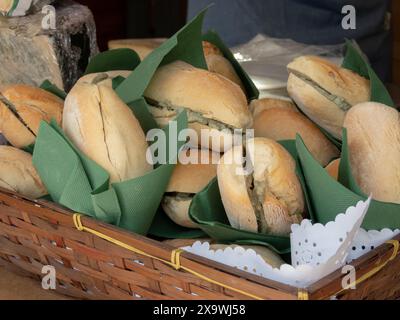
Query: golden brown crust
pixel 18 174
pixel 373 131
pixel 333 169
pixel 331 79
pixel 285 123
pixel 276 193
pixel 106 130
pixel 32 106
pixel 260 105
pixel 180 85
pixel 192 178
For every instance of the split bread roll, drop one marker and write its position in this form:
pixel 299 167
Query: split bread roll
pixel 281 124
pixel 213 103
pixel 269 256
pixel 104 128
pixel 18 174
pixel 22 108
pixel 373 131
pixel 333 169
pixel 187 180
pixel 217 63
pixel 260 105
pixel 325 92
pixel 267 200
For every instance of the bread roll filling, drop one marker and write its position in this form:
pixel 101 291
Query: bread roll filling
pixel 166 113
pixel 15 113
pixel 337 100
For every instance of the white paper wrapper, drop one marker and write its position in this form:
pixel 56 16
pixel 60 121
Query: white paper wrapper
pixel 19 8
pixel 317 250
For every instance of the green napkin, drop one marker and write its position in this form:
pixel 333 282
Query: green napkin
pixel 356 62
pixel 52 88
pixel 251 90
pixel 329 197
pixel 208 211
pixel 117 59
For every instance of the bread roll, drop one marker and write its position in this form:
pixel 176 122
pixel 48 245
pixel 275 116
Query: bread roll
pixel 373 131
pixel 212 102
pixel 103 127
pixel 22 108
pixel 217 63
pixel 18 174
pixel 267 200
pixel 260 105
pixel 333 169
pixel 281 124
pixel 143 47
pixel 186 181
pixel 269 256
pixel 325 92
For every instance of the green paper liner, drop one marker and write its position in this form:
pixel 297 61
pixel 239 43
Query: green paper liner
pixel 355 61
pixel 117 59
pixel 251 89
pixel 164 227
pixel 52 88
pixel 208 211
pixel 329 197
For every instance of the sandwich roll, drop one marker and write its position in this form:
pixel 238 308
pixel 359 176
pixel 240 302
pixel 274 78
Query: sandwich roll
pixel 269 256
pixel 260 105
pixel 281 124
pixel 22 108
pixel 143 47
pixel 326 92
pixel 333 169
pixel 373 131
pixel 18 174
pixel 186 181
pixel 267 199
pixel 217 63
pixel 104 128
pixel 211 101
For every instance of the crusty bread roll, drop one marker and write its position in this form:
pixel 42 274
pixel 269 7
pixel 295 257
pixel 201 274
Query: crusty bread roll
pixel 281 124
pixel 187 180
pixel 325 92
pixel 22 108
pixel 143 47
pixel 217 63
pixel 104 78
pixel 103 127
pixel 269 256
pixel 333 169
pixel 211 100
pixel 267 200
pixel 18 174
pixel 259 105
pixel 373 131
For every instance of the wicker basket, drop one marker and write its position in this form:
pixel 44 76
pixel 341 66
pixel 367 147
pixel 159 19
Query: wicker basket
pixel 35 234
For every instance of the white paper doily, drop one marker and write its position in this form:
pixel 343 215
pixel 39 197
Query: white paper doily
pixel 317 250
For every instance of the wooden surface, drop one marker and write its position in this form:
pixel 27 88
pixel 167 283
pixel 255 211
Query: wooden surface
pixel 15 287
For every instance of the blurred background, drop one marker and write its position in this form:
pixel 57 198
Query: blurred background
pixel 120 19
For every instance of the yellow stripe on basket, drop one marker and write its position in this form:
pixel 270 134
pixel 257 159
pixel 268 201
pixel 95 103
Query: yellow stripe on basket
pixel 175 257
pixel 371 273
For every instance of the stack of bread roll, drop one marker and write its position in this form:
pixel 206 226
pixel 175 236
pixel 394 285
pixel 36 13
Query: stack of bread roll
pixel 22 108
